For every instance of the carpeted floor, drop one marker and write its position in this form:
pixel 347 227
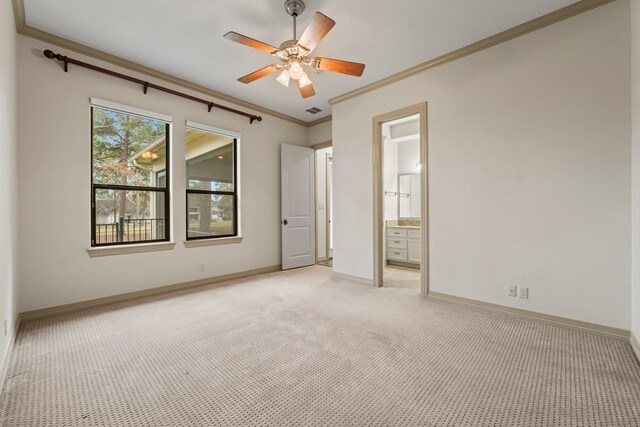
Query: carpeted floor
pixel 326 262
pixel 396 276
pixel 305 348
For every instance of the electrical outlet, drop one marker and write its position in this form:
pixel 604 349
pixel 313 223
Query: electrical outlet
pixel 201 268
pixel 523 293
pixel 6 327
pixel 512 290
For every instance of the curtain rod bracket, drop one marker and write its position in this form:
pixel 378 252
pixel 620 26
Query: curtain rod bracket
pixel 210 106
pixel 145 87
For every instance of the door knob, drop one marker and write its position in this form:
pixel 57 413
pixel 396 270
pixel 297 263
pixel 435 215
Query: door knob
pixel 285 222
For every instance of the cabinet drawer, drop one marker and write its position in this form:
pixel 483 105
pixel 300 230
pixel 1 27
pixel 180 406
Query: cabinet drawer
pixel 396 242
pixel 397 254
pixel 414 234
pixel 396 232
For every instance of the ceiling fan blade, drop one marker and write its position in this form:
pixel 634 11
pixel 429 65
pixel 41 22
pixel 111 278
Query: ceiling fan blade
pixel 258 74
pixel 306 91
pixel 248 41
pixel 338 66
pixel 319 26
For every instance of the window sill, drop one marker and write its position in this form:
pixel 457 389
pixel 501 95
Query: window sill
pixel 212 242
pixel 130 249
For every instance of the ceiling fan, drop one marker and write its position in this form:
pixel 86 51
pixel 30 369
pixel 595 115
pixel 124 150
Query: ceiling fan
pixel 295 54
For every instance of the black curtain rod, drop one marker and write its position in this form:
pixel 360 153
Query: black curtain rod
pixel 145 85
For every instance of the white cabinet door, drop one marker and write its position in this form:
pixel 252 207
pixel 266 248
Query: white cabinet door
pixel 414 251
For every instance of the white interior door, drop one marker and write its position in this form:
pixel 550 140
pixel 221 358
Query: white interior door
pixel 298 213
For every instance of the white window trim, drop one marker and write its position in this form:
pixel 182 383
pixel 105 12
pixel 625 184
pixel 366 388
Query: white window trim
pixel 97 251
pixel 212 242
pixel 212 129
pixel 101 103
pixel 237 136
pixel 101 251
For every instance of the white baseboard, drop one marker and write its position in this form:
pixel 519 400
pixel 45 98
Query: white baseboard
pixel 67 308
pixel 563 322
pixel 6 358
pixel 635 345
pixel 354 278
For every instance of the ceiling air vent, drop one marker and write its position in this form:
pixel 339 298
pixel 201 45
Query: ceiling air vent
pixel 313 110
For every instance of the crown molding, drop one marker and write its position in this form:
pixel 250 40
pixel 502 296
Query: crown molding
pixel 320 121
pixel 23 29
pixel 505 36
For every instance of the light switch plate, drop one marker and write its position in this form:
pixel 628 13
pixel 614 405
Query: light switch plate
pixel 512 290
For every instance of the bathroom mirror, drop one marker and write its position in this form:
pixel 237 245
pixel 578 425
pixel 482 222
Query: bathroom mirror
pixel 408 196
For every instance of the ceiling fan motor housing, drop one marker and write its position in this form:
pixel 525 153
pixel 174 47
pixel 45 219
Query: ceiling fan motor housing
pixel 294 7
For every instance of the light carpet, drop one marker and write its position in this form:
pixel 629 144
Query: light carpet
pixel 396 276
pixel 304 348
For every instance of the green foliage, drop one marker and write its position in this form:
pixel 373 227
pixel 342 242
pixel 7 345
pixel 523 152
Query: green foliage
pixel 116 137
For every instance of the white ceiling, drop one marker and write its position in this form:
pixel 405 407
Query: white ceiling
pixel 184 37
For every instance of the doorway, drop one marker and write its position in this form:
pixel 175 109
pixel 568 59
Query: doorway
pixel 400 199
pixel 324 204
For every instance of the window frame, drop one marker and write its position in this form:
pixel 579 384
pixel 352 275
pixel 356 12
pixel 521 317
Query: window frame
pixel 236 184
pixel 110 106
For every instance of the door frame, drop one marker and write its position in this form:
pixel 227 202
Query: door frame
pixel 328 157
pixel 378 207
pixel 316 147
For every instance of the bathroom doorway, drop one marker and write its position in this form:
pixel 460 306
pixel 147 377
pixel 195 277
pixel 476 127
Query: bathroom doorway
pixel 324 203
pixel 400 200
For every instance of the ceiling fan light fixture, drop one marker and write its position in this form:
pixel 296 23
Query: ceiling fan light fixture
pixel 304 80
pixel 295 70
pixel 295 53
pixel 284 77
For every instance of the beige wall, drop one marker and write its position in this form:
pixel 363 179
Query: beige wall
pixel 635 161
pixel 54 183
pixel 319 133
pixel 8 180
pixel 529 171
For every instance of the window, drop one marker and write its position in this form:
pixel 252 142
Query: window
pixel 130 179
pixel 212 188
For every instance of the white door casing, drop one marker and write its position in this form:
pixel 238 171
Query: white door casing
pixel 298 206
pixel 329 192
